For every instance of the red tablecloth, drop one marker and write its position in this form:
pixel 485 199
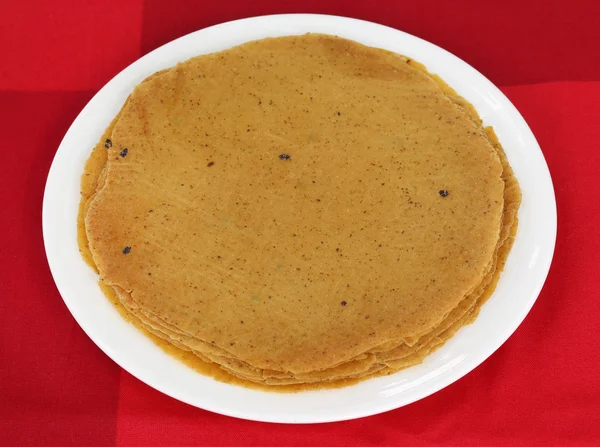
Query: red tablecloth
pixel 541 388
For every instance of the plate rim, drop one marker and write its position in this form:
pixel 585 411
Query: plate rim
pixel 276 417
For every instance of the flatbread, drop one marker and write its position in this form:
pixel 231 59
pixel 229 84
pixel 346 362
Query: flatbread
pixel 342 261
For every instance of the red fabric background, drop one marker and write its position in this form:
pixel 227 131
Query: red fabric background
pixel 541 388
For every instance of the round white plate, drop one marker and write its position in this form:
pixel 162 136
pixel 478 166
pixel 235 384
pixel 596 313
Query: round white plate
pixel 517 290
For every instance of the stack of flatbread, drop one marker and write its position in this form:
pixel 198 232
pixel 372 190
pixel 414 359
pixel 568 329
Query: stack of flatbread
pixel 299 209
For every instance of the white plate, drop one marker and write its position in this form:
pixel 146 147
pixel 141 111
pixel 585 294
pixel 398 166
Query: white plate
pixel 517 290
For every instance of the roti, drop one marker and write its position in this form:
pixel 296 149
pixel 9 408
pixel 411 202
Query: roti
pixel 299 209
